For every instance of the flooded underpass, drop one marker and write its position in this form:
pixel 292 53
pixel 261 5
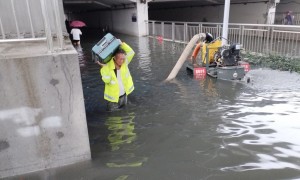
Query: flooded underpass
pixel 187 128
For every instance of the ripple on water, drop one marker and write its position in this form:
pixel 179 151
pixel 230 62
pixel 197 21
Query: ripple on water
pixel 207 125
pixel 267 79
pixel 265 123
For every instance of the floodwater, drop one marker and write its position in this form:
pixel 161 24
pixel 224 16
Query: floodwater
pixel 188 128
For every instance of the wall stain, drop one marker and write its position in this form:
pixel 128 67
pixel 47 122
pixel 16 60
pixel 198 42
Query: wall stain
pixel 54 82
pixel 3 145
pixel 59 134
pixel 27 76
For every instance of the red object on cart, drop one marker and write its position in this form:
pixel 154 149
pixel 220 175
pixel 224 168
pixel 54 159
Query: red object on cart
pixel 199 72
pixel 245 65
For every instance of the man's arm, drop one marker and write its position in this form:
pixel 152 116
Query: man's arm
pixel 129 52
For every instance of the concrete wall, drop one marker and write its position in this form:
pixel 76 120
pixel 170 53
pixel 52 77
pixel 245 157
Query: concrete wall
pixel 96 20
pixel 254 13
pixel 122 22
pixel 119 21
pixel 285 6
pixel 22 16
pixel 42 114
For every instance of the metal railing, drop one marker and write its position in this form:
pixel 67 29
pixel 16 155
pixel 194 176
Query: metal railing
pixel 259 38
pixel 44 35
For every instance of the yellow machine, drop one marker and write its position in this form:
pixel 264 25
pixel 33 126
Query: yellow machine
pixel 222 62
pixel 213 48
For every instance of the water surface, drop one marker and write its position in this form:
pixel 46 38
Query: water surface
pixel 188 128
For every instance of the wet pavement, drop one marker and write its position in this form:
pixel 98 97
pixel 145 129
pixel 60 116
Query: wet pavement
pixel 187 128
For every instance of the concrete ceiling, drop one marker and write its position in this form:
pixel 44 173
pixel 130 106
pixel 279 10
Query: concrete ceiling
pixel 170 4
pixel 96 5
pixel 101 5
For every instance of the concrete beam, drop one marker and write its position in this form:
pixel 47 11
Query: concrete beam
pixel 87 2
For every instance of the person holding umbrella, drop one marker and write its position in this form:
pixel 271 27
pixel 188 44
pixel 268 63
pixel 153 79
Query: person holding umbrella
pixel 76 32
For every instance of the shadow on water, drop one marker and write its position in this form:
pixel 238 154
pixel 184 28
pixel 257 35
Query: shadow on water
pixel 188 128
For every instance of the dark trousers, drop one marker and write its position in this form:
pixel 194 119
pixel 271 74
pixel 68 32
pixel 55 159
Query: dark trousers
pixel 111 106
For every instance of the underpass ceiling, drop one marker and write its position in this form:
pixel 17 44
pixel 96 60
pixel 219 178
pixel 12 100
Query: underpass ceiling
pixel 101 5
pixel 170 4
pixel 96 5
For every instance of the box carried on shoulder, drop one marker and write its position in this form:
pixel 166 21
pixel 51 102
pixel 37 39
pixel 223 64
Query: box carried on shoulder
pixel 105 48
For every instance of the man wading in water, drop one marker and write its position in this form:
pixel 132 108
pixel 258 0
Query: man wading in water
pixel 117 78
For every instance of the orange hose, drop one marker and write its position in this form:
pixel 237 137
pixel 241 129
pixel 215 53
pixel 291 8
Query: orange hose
pixel 196 51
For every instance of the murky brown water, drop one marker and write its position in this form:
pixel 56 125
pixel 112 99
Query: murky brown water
pixel 188 129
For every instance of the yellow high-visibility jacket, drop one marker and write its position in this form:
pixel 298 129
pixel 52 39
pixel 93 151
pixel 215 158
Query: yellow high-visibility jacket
pixel 111 91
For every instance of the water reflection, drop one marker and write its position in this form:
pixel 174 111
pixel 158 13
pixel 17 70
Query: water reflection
pixel 121 131
pixel 81 57
pixel 209 87
pixel 144 59
pixel 216 88
pixel 121 137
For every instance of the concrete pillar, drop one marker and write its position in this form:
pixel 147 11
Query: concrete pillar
pixel 271 12
pixel 225 22
pixel 42 114
pixel 271 15
pixel 142 16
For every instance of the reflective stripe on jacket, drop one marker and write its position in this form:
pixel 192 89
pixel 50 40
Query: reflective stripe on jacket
pixel 111 91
